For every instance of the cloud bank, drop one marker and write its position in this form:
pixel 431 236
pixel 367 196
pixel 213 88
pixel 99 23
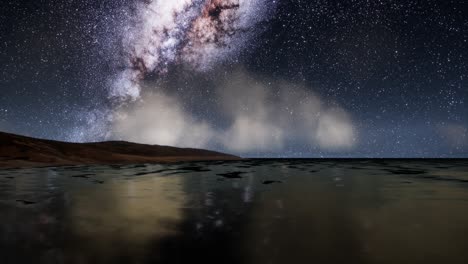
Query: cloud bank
pixel 455 135
pixel 260 117
pixel 160 119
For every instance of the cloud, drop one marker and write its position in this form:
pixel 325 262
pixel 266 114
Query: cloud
pixel 335 131
pixel 251 134
pixel 253 125
pixel 259 117
pixel 160 119
pixel 456 135
pixel 265 117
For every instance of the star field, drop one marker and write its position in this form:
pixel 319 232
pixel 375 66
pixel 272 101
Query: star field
pixel 397 71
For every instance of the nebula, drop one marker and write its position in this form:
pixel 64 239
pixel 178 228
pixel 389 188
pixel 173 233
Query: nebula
pixel 198 33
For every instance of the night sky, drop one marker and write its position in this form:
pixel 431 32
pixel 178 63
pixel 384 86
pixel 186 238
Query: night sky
pixel 259 78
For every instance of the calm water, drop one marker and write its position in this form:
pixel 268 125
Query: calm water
pixel 254 211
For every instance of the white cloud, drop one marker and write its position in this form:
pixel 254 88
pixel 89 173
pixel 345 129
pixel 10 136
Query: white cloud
pixel 259 117
pixel 456 135
pixel 335 130
pixel 265 117
pixel 160 119
pixel 250 134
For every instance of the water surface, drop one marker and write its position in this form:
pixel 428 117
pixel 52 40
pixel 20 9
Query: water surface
pixel 252 211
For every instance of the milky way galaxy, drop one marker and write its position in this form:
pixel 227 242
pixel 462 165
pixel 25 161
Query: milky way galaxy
pixel 256 78
pixel 198 33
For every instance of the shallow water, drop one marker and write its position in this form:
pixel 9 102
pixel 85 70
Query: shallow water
pixel 253 211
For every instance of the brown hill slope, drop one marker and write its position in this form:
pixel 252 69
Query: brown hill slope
pixel 21 151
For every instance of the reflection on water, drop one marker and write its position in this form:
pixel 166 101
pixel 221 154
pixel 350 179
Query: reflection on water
pixel 253 211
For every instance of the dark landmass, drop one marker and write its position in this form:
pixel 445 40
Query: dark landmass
pixel 21 151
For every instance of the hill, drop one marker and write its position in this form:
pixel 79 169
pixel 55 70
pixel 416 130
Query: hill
pixel 21 151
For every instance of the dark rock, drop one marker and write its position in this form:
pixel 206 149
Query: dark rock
pixel 25 202
pixel 270 182
pixel 232 175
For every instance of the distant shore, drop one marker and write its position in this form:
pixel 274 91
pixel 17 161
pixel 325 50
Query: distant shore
pixel 19 151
